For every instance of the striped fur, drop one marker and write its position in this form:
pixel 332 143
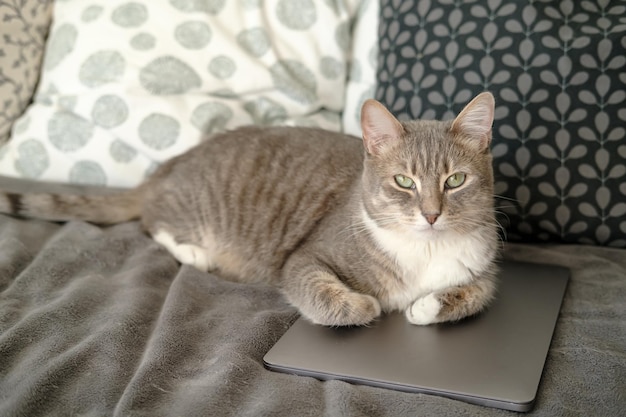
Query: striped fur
pixel 322 216
pixel 101 209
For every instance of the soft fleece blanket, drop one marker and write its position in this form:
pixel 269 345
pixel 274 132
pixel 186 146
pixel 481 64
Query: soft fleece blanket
pixel 104 322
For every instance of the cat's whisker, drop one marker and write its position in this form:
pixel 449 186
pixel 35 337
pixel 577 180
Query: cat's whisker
pixel 353 229
pixel 361 226
pixel 503 208
pixel 501 213
pixel 501 197
pixel 502 236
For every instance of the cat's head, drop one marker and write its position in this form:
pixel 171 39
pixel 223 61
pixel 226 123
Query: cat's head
pixel 430 178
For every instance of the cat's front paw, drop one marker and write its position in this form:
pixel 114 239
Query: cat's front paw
pixel 453 304
pixel 348 309
pixel 424 310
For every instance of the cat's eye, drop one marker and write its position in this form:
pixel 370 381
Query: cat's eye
pixel 455 180
pixel 404 181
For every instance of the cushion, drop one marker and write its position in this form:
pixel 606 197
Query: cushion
pixel 556 70
pixel 127 84
pixel 22 35
pixel 363 63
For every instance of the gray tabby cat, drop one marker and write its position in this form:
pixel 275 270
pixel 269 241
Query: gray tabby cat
pixel 406 224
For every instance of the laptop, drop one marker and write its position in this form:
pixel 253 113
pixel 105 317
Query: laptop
pixel 493 359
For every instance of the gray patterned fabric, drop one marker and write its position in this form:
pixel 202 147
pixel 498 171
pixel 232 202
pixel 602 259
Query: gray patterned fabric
pixel 23 31
pixel 557 71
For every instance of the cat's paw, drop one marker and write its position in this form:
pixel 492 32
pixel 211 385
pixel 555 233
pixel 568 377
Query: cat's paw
pixel 352 309
pixel 424 310
pixel 193 255
pixel 185 253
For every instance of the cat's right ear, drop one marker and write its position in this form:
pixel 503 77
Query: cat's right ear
pixel 379 126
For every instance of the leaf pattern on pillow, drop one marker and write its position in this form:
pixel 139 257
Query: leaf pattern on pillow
pixel 556 69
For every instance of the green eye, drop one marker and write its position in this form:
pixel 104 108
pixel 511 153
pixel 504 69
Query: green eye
pixel 455 180
pixel 404 182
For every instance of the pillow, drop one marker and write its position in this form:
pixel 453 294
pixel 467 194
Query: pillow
pixel 128 84
pixel 556 70
pixel 363 62
pixel 22 36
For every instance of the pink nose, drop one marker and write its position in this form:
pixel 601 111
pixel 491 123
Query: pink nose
pixel 431 218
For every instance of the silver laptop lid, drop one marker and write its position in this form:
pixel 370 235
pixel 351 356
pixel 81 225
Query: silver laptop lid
pixel 494 359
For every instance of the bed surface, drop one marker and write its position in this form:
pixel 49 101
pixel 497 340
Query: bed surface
pixel 103 321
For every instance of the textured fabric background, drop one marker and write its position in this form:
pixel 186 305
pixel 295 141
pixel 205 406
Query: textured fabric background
pixel 557 71
pixel 104 322
pixel 23 29
pixel 129 84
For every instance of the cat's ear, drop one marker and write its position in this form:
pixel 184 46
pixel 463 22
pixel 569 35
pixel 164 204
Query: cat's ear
pixel 476 119
pixel 379 126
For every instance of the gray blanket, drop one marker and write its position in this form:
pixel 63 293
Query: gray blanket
pixel 102 321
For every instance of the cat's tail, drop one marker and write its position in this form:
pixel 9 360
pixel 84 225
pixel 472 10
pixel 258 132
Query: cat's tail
pixel 100 209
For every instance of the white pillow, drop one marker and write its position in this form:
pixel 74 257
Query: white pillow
pixel 363 64
pixel 127 84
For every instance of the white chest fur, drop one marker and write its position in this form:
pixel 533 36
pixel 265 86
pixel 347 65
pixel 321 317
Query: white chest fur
pixel 428 263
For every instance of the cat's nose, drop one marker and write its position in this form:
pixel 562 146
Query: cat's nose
pixel 431 218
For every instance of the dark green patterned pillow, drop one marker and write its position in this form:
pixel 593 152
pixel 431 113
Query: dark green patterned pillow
pixel 557 70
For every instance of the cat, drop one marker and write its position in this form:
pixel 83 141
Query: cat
pixel 402 220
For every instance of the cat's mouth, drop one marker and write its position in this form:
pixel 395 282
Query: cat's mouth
pixel 430 229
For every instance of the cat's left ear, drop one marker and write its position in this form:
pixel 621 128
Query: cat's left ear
pixel 476 120
pixel 379 127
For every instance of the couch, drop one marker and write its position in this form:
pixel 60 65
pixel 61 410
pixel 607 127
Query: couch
pixel 98 321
